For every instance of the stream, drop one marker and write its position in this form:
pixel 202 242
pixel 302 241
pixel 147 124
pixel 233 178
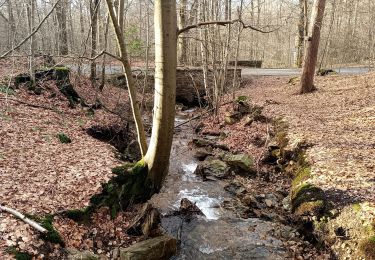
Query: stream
pixel 220 234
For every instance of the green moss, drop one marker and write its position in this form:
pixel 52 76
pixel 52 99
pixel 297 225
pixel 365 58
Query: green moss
pixel 356 207
pixel 367 247
pixel 18 255
pixel 52 235
pixel 130 185
pixel 7 90
pixel 79 215
pixel 242 99
pixel 302 174
pixel 308 199
pixel 64 139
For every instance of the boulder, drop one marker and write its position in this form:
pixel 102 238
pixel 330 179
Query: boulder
pixel 158 248
pixel 216 168
pixel 241 163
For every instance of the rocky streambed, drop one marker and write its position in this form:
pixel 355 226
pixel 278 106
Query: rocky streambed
pixel 227 229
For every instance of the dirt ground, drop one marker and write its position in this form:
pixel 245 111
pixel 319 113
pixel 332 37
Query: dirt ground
pixel 338 120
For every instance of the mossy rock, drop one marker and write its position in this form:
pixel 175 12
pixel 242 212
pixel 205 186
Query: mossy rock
pixel 216 168
pixel 301 175
pixel 308 200
pixel 63 138
pixel 367 247
pixel 242 164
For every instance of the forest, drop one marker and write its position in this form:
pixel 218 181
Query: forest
pixel 187 129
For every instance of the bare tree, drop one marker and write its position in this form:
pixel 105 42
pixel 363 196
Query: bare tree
pixel 312 47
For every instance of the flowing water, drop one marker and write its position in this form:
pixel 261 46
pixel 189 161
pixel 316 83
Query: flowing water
pixel 220 234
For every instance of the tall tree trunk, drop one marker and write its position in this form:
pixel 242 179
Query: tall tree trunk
pixel 94 11
pixel 182 41
pixel 11 26
pixel 157 157
pixel 301 33
pixel 61 10
pixel 312 47
pixel 30 16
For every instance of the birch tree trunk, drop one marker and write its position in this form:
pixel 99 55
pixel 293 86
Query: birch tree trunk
pixel 312 47
pixel 157 157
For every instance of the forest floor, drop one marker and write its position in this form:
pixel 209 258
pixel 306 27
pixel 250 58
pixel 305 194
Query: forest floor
pixel 338 123
pixel 39 175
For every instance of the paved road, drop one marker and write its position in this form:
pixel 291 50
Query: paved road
pixel 114 69
pixel 296 72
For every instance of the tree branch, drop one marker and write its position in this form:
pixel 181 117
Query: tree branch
pixel 24 219
pixel 32 33
pixel 224 23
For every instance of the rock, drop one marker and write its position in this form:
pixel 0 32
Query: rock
pixel 189 208
pixel 235 188
pixel 201 154
pixel 200 142
pixel 230 119
pixel 159 248
pixel 216 168
pixel 250 201
pixel 74 254
pixel 146 223
pixel 240 163
pixel 286 203
pixel 249 120
pixel 269 203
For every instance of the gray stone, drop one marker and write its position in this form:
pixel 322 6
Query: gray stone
pixel 158 248
pixel 240 163
pixel 216 168
pixel 235 188
pixel 74 254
